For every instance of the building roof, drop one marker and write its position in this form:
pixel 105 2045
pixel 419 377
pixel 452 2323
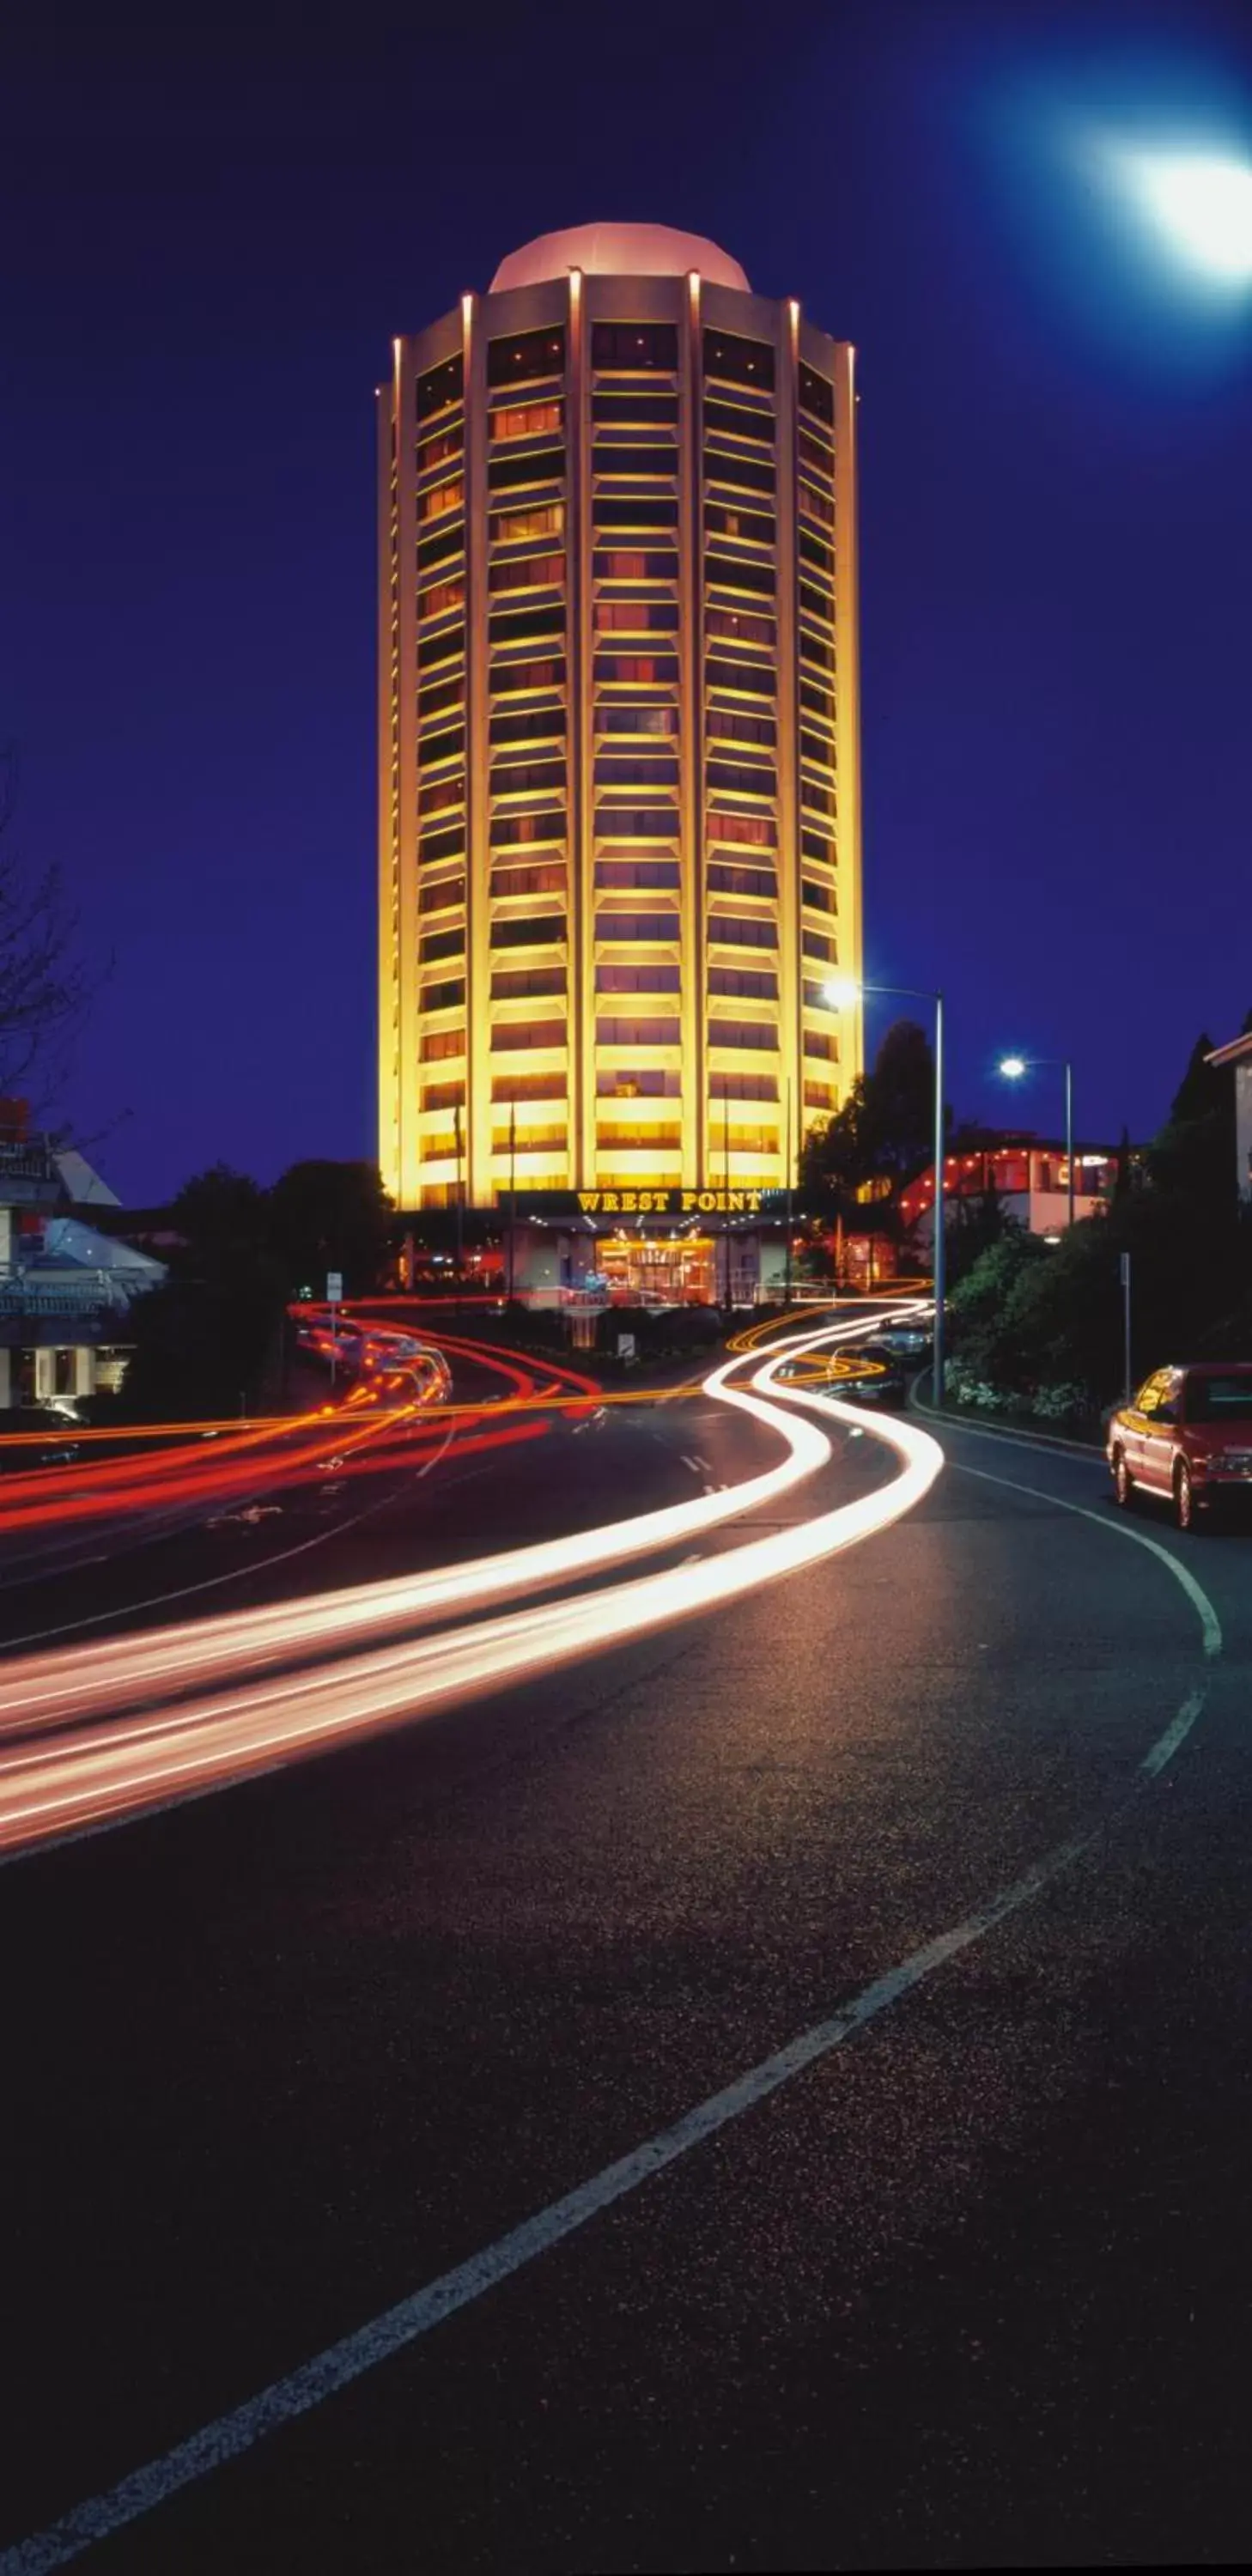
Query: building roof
pixel 618 250
pixel 1235 1051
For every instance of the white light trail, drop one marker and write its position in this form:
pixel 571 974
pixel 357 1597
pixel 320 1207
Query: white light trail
pixel 84 1773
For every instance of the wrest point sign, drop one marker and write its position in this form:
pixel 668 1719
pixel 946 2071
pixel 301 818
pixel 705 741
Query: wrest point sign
pixel 670 1202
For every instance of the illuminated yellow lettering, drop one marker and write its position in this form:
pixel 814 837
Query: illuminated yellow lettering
pixel 706 1202
pixel 691 1198
pixel 608 1201
pixel 630 1202
pixel 589 1201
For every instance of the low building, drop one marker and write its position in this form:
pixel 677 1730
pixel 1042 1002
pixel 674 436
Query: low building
pixel 66 1290
pixel 1237 1053
pixel 1029 1175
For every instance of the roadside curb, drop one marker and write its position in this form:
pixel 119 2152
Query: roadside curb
pixel 1012 1432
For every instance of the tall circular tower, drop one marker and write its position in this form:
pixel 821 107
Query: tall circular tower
pixel 619 775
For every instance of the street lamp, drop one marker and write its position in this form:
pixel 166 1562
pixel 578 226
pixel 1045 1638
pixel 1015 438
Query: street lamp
pixel 1015 1067
pixel 841 993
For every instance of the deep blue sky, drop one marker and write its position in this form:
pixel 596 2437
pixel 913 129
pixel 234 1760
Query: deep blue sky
pixel 211 231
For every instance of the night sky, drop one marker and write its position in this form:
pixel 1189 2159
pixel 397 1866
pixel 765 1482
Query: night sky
pixel 211 231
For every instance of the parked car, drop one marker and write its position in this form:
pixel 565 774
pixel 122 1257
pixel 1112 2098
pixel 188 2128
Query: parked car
pixel 1187 1436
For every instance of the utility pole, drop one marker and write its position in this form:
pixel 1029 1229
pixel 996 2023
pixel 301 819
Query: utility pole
pixel 1069 1136
pixel 790 1219
pixel 460 1206
pixel 726 1179
pixel 512 1193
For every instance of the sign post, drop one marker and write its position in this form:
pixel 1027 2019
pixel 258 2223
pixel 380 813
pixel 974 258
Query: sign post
pixel 1125 1266
pixel 334 1297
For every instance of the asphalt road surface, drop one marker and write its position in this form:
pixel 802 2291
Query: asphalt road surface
pixel 965 2281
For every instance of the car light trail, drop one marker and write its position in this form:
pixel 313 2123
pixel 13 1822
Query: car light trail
pixel 77 1680
pixel 89 1773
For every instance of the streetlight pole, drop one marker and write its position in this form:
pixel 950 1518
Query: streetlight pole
pixel 941 1244
pixel 840 992
pixel 1013 1067
pixel 1069 1136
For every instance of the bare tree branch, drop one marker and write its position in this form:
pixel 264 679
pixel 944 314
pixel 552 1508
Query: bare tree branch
pixel 45 988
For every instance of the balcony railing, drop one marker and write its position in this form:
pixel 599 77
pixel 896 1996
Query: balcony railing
pixel 60 1292
pixel 26 1158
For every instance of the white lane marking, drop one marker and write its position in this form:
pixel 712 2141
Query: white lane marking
pixel 285 2400
pixel 1199 1599
pixel 696 1464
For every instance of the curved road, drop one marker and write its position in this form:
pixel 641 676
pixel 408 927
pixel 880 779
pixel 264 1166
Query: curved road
pixel 961 2282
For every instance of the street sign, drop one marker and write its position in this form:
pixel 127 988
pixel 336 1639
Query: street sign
pixel 334 1287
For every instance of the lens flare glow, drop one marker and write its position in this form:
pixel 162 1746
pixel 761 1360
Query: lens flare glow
pixel 1203 205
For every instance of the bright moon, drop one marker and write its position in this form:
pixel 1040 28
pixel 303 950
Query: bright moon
pixel 1205 207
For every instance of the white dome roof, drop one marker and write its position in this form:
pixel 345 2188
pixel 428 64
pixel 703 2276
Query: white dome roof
pixel 618 250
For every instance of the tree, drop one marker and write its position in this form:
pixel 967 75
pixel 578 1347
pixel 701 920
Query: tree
pixel 223 1217
pixel 330 1216
pixel 1194 1152
pixel 45 989
pixel 884 1130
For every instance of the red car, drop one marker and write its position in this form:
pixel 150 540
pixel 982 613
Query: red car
pixel 1186 1435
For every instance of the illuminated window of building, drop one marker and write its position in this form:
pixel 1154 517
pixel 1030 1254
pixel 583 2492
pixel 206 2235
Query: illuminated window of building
pixel 443 943
pixel 742 984
pixel 744 1033
pixel 729 880
pixel 814 943
pixel 509 828
pixel 510 526
pixel 449 843
pixel 444 1095
pixel 509 1034
pixel 631 616
pixel 441 498
pixel 434 799
pixel 612 717
pixel 645 669
pixel 651 1082
pixel 736 930
pixel 524 420
pixel 528 930
pixel 437 450
pixel 511 984
pixel 820 1042
pixel 548 879
pixel 637 979
pixel 511 678
pixel 816 395
pixel 524 355
pixel 529 1086
pixel 440 386
pixel 527 572
pixel 442 896
pixel 528 724
pixel 759 831
pixel 635 347
pixel 747 1086
pixel 637 925
pixel 658 1137
pixel 438 1045
pixel 623 1032
pixel 740 623
pixel 738 361
pixel 515 778
pixel 819 1095
pixel 443 997
pixel 636 822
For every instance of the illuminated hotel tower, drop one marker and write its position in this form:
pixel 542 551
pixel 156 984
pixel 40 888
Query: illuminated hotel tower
pixel 620 841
